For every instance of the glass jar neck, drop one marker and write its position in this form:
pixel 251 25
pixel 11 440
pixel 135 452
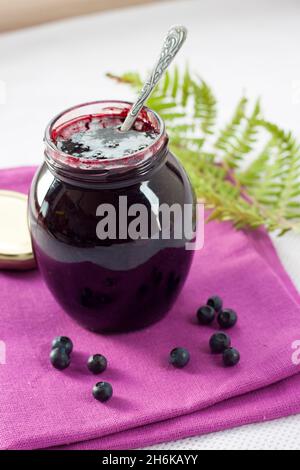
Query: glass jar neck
pixel 122 171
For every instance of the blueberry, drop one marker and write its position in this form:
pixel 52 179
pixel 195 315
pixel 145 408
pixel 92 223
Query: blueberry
pixel 97 363
pixel 227 318
pixel 70 147
pixel 206 315
pixel 179 357
pixel 215 302
pixel 231 357
pixel 219 342
pixel 59 358
pixel 102 391
pixel 63 342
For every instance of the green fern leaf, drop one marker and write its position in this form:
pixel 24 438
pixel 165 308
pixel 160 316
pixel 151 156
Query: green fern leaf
pixel 204 105
pixel 231 130
pixel 265 191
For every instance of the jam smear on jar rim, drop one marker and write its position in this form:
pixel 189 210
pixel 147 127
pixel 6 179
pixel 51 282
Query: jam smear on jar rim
pixel 92 139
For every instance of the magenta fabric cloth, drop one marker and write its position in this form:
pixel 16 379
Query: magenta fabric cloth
pixel 41 407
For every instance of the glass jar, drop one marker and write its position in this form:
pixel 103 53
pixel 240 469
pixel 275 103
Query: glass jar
pixel 118 283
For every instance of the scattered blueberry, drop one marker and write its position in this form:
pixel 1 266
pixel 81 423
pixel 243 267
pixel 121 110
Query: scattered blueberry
pixel 63 342
pixel 231 357
pixel 219 342
pixel 59 358
pixel 97 363
pixel 102 391
pixel 216 303
pixel 227 318
pixel 179 357
pixel 206 315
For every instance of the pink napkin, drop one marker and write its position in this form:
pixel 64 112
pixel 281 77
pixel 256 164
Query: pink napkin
pixel 41 407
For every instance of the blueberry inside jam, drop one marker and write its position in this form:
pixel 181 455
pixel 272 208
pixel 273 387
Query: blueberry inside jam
pixel 97 137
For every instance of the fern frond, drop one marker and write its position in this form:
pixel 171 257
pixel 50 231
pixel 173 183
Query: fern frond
pixel 283 178
pixel 230 132
pixel 186 87
pixel 251 176
pixel 263 192
pixel 239 137
pixel 204 105
pixel 165 84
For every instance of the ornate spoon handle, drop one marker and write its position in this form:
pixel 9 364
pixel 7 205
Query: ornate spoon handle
pixel 172 44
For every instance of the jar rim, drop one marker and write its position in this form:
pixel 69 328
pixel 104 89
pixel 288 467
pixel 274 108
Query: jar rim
pixel 60 160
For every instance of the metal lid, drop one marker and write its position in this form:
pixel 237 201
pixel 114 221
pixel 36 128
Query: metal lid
pixel 15 244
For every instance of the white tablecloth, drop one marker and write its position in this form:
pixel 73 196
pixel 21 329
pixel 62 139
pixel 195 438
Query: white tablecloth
pixel 235 45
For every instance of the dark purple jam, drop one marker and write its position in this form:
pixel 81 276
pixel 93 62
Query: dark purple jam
pixel 108 285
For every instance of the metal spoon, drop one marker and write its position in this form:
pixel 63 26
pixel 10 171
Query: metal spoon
pixel 172 44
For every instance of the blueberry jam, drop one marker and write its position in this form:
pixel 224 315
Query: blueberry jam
pixel 98 138
pixel 108 285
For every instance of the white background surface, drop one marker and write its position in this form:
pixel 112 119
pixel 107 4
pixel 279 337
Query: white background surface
pixel 235 45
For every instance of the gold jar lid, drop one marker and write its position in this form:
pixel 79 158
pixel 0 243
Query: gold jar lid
pixel 15 243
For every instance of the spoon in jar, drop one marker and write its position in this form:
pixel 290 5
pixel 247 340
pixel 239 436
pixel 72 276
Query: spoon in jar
pixel 171 46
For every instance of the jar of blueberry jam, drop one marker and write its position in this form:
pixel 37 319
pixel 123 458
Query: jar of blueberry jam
pixel 105 279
